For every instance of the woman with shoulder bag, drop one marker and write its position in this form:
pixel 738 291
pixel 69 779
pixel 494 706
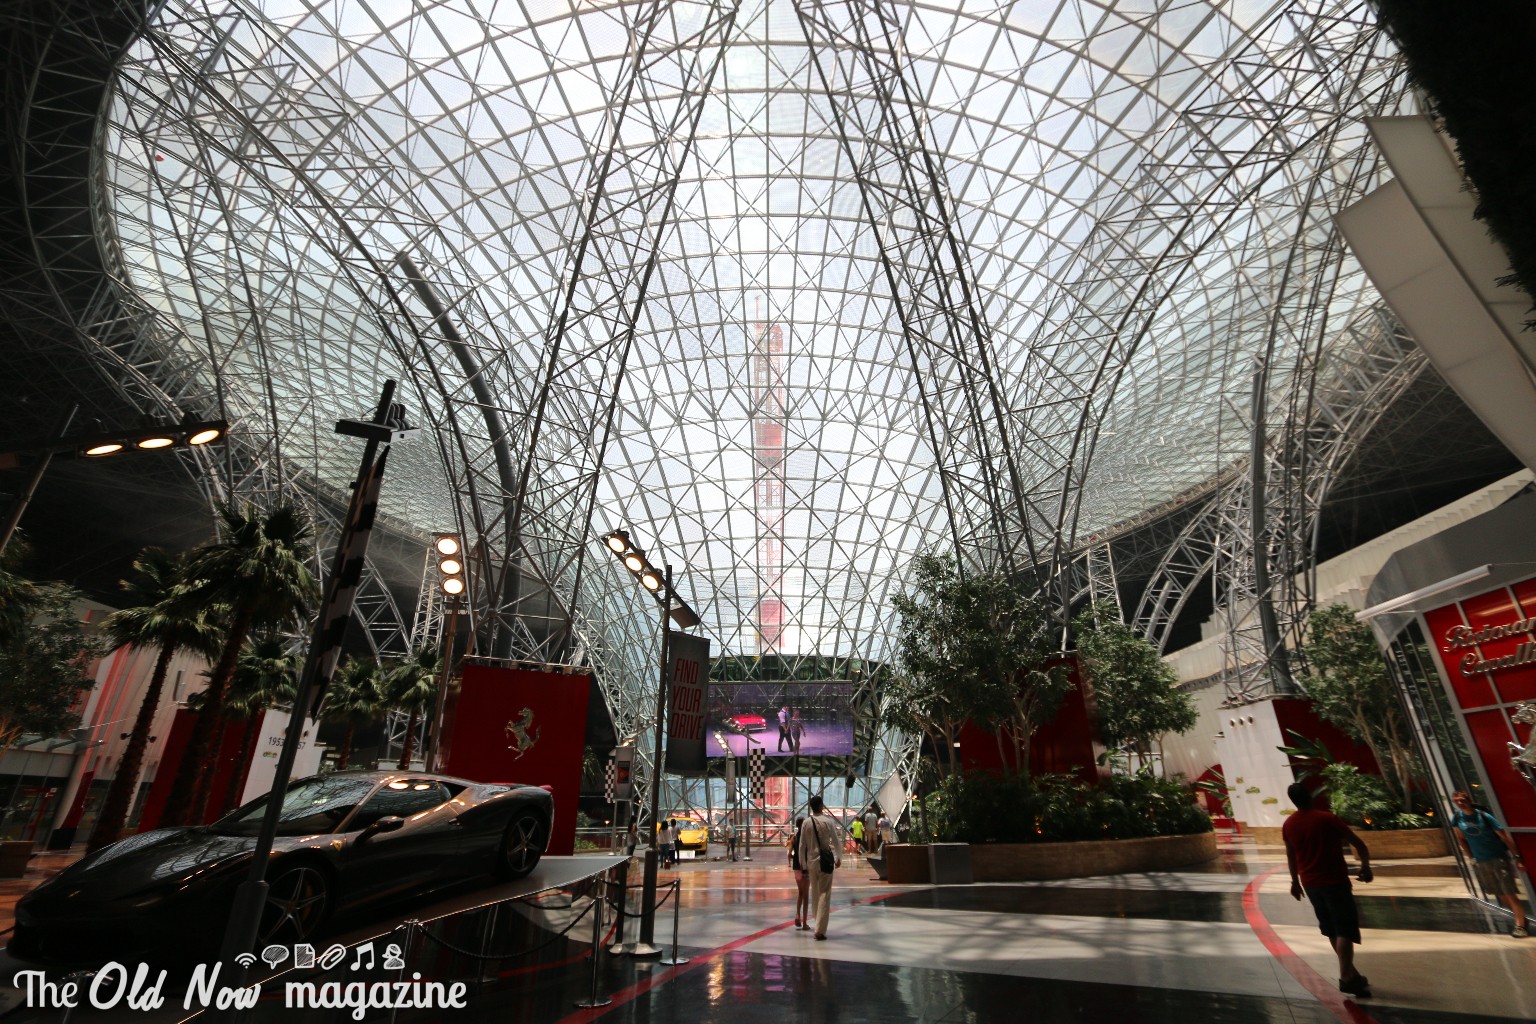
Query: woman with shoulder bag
pixel 818 851
pixel 802 880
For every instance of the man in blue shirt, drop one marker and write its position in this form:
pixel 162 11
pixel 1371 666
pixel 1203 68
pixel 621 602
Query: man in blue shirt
pixel 1493 855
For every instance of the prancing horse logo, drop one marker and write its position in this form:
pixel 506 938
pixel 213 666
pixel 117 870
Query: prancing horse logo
pixel 521 734
pixel 1523 759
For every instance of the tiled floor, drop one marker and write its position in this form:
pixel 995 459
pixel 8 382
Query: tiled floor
pixel 1224 942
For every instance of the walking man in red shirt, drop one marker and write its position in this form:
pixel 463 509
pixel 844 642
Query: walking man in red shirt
pixel 1314 849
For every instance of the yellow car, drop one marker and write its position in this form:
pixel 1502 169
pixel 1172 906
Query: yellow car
pixel 691 835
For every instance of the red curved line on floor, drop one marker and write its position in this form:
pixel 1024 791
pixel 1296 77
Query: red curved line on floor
pixel 640 988
pixel 1347 1010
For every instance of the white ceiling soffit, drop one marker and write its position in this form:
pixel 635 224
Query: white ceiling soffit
pixel 1422 162
pixel 1436 268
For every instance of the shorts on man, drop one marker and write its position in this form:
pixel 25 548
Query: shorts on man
pixel 1496 877
pixel 1334 906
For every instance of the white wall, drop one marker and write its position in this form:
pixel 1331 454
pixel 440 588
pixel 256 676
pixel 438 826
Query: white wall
pixel 269 744
pixel 1345 580
pixel 1257 773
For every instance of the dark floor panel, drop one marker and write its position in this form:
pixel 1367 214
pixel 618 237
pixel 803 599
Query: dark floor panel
pixel 1171 905
pixel 746 988
pixel 1417 913
pixel 1404 1015
pixel 1417 870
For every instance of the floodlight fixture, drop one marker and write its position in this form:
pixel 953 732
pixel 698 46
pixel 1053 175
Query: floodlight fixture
pixel 450 564
pixel 96 444
pixel 676 610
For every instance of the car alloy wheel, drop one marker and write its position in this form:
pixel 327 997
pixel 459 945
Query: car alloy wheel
pixel 296 905
pixel 522 845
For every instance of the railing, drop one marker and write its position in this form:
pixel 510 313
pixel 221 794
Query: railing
pixel 484 955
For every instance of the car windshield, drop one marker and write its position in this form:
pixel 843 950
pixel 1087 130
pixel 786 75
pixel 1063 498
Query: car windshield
pixel 311 806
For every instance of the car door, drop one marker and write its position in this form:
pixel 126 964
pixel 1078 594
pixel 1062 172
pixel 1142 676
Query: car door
pixel 417 857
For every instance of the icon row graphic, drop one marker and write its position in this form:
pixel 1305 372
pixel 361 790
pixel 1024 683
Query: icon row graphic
pixel 304 956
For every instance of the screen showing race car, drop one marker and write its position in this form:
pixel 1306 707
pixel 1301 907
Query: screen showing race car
pixel 781 718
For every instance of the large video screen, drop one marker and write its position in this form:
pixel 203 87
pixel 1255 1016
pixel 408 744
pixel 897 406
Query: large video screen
pixel 781 718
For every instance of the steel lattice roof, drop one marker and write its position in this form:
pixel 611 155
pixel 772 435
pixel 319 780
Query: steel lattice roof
pixel 1140 193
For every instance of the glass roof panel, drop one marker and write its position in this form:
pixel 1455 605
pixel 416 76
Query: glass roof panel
pixel 1136 191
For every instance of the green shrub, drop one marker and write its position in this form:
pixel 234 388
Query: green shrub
pixel 1363 801
pixel 981 808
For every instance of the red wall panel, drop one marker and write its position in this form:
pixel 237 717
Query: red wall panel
pixel 1486 694
pixel 1066 745
pixel 225 760
pixel 485 744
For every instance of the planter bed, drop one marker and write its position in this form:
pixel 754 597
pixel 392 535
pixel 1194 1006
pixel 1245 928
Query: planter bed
pixel 1385 844
pixel 907 864
pixel 13 858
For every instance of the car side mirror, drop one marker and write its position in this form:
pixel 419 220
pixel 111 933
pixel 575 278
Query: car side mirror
pixel 388 823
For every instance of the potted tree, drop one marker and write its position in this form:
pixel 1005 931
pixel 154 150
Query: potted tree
pixel 44 652
pixel 971 647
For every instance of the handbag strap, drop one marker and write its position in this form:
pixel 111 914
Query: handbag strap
pixel 811 821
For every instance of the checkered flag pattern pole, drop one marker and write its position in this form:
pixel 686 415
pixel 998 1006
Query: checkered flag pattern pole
pixel 610 779
pixel 757 769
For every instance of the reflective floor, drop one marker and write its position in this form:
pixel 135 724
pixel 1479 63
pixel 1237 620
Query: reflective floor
pixel 1221 942
pixel 1224 942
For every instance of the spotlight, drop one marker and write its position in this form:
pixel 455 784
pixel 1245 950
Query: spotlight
pixel 205 436
pixel 617 541
pixel 651 580
pixel 634 561
pixel 104 449
pixel 449 564
pixel 157 442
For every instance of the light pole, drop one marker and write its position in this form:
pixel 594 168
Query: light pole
pixel 435 761
pixel 674 609
pixel 450 563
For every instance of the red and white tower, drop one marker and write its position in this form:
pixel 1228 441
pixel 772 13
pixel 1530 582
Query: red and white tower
pixel 768 459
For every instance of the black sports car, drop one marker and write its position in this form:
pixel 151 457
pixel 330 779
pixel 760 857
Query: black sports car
pixel 345 842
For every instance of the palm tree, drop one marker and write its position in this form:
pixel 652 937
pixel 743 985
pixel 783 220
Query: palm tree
pixel 154 617
pixel 354 696
pixel 412 687
pixel 266 675
pixel 260 572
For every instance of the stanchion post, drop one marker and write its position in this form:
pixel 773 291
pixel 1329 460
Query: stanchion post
pixel 620 910
pixel 405 959
pixel 597 951
pixel 80 978
pixel 676 901
pixel 487 936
